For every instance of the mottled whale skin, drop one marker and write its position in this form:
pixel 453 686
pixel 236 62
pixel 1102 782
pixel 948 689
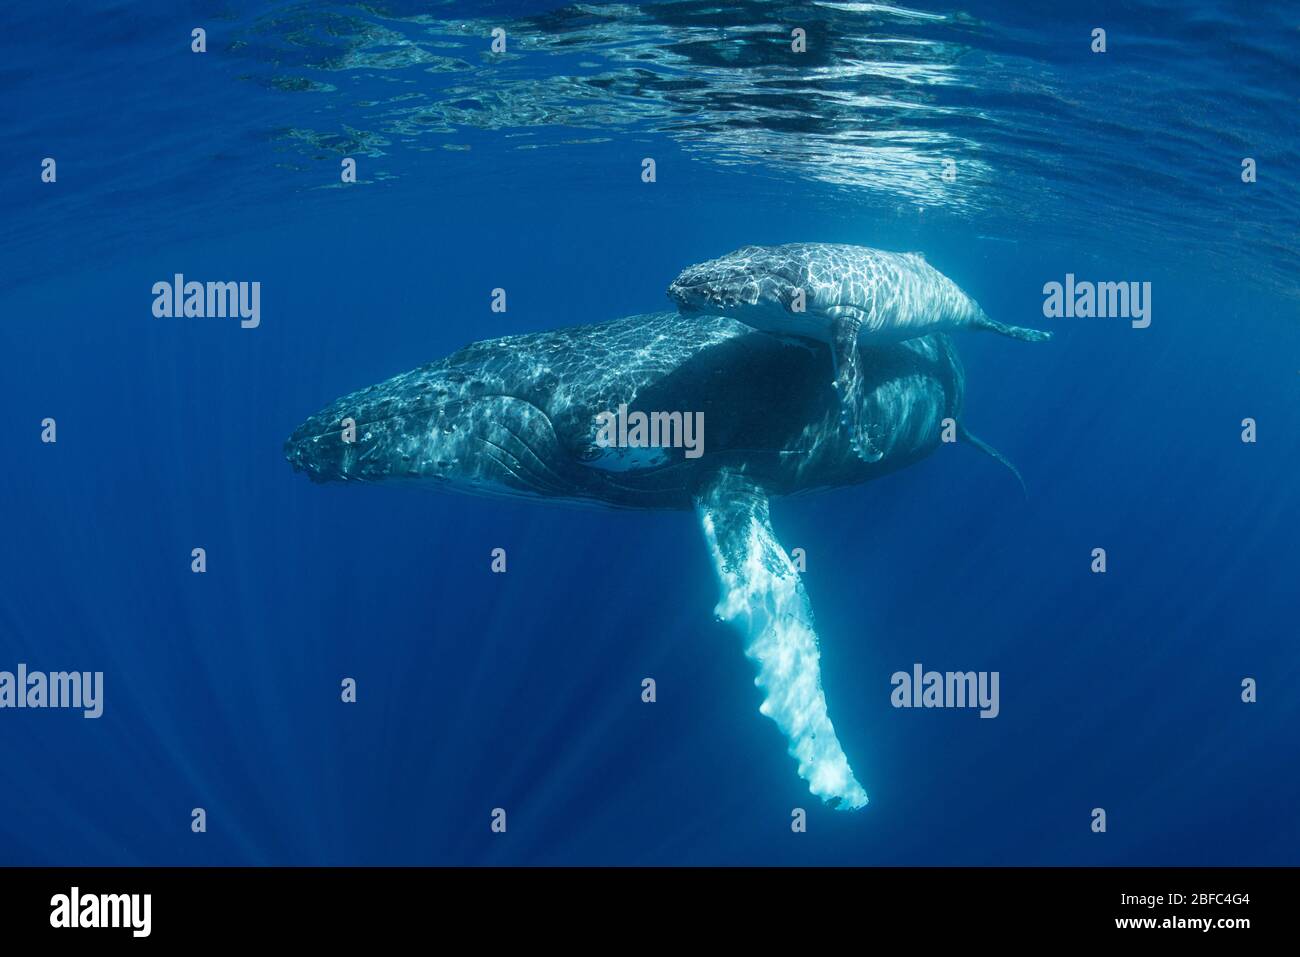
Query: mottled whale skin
pixel 516 417
pixel 897 295
pixel 841 295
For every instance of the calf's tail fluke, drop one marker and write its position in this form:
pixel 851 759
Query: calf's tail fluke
pixel 994 454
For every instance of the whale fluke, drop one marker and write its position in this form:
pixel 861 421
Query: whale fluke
pixel 763 597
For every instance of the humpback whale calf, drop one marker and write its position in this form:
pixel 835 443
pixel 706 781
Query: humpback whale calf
pixel 518 417
pixel 840 295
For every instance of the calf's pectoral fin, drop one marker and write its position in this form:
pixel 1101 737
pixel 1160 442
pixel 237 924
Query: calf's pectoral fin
pixel 845 323
pixel 1012 332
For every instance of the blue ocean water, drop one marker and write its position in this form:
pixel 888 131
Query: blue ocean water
pixel 523 170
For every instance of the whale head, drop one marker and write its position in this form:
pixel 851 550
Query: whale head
pixel 749 284
pixel 438 425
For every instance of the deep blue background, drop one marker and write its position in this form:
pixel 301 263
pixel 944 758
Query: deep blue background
pixel 522 690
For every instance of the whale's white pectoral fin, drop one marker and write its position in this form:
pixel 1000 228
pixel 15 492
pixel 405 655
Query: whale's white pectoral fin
pixel 764 598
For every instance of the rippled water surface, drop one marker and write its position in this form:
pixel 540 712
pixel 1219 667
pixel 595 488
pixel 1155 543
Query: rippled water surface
pixel 1043 133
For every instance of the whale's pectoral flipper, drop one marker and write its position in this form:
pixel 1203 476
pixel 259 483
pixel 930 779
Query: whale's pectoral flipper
pixel 1012 332
pixel 845 323
pixel 763 597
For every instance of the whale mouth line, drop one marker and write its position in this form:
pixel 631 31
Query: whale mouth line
pixel 703 296
pixel 706 301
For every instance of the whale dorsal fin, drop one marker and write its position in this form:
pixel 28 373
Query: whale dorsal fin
pixel 763 597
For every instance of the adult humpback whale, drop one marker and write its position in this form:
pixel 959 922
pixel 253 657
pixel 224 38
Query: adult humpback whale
pixel 517 416
pixel 842 295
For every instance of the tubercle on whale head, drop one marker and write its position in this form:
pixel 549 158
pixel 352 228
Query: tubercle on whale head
pixel 408 427
pixel 298 453
pixel 339 445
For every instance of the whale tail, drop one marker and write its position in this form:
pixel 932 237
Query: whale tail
pixel 994 454
pixel 1011 332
